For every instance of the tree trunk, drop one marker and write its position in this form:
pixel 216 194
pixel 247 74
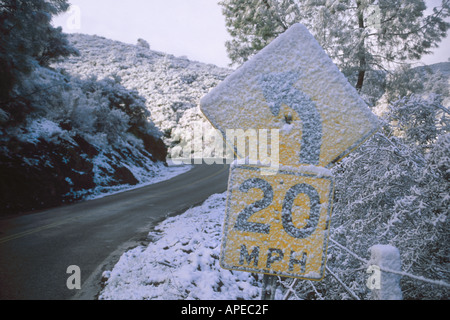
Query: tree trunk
pixel 361 75
pixel 361 50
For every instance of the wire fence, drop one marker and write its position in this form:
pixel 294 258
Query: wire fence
pixel 401 273
pixel 365 263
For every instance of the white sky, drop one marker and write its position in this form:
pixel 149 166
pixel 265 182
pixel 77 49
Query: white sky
pixel 192 28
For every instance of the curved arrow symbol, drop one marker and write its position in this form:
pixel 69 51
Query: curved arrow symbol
pixel 278 89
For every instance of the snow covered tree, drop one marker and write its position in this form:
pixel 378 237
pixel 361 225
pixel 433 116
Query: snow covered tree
pixel 419 121
pixel 359 35
pixel 28 39
pixel 143 43
pixel 393 190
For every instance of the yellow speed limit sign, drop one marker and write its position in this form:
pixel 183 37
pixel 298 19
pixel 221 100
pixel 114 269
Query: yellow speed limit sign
pixel 278 224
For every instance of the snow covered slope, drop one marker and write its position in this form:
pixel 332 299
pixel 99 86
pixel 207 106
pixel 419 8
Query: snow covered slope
pixel 182 263
pixel 78 138
pixel 172 86
pixel 101 120
pixel 442 71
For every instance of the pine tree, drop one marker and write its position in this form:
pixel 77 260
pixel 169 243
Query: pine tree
pixel 418 120
pixel 28 39
pixel 359 35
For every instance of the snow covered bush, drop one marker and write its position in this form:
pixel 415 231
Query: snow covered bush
pixel 419 81
pixel 28 40
pixel 393 190
pixel 143 43
pixel 419 120
pixel 81 137
pixel 172 86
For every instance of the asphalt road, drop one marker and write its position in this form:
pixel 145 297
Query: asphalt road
pixel 36 249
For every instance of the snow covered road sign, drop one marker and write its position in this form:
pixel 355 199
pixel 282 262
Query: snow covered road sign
pixel 278 224
pixel 292 85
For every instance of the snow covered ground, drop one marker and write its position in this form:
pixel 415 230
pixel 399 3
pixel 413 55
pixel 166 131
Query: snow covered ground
pixel 160 174
pixel 181 263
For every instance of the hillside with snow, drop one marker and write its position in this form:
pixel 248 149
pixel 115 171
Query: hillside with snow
pixel 97 122
pixel 440 72
pixel 172 86
pixel 77 139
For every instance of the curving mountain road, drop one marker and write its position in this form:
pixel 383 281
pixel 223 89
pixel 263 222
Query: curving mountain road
pixel 36 249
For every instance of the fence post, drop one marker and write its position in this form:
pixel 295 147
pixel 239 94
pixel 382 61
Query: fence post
pixel 269 287
pixel 384 284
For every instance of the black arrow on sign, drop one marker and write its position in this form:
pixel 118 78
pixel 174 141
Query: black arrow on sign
pixel 278 89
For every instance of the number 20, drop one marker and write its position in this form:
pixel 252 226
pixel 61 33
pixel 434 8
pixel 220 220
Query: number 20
pixel 243 223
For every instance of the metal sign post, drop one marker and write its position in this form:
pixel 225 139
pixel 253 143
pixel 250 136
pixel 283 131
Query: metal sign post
pixel 269 287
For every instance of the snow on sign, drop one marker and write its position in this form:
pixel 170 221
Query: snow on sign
pixel 292 85
pixel 278 224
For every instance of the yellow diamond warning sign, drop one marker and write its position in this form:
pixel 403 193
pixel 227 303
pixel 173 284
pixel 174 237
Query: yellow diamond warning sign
pixel 294 87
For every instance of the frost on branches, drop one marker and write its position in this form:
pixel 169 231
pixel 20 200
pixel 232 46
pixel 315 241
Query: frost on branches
pixel 78 139
pixel 393 190
pixel 171 86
